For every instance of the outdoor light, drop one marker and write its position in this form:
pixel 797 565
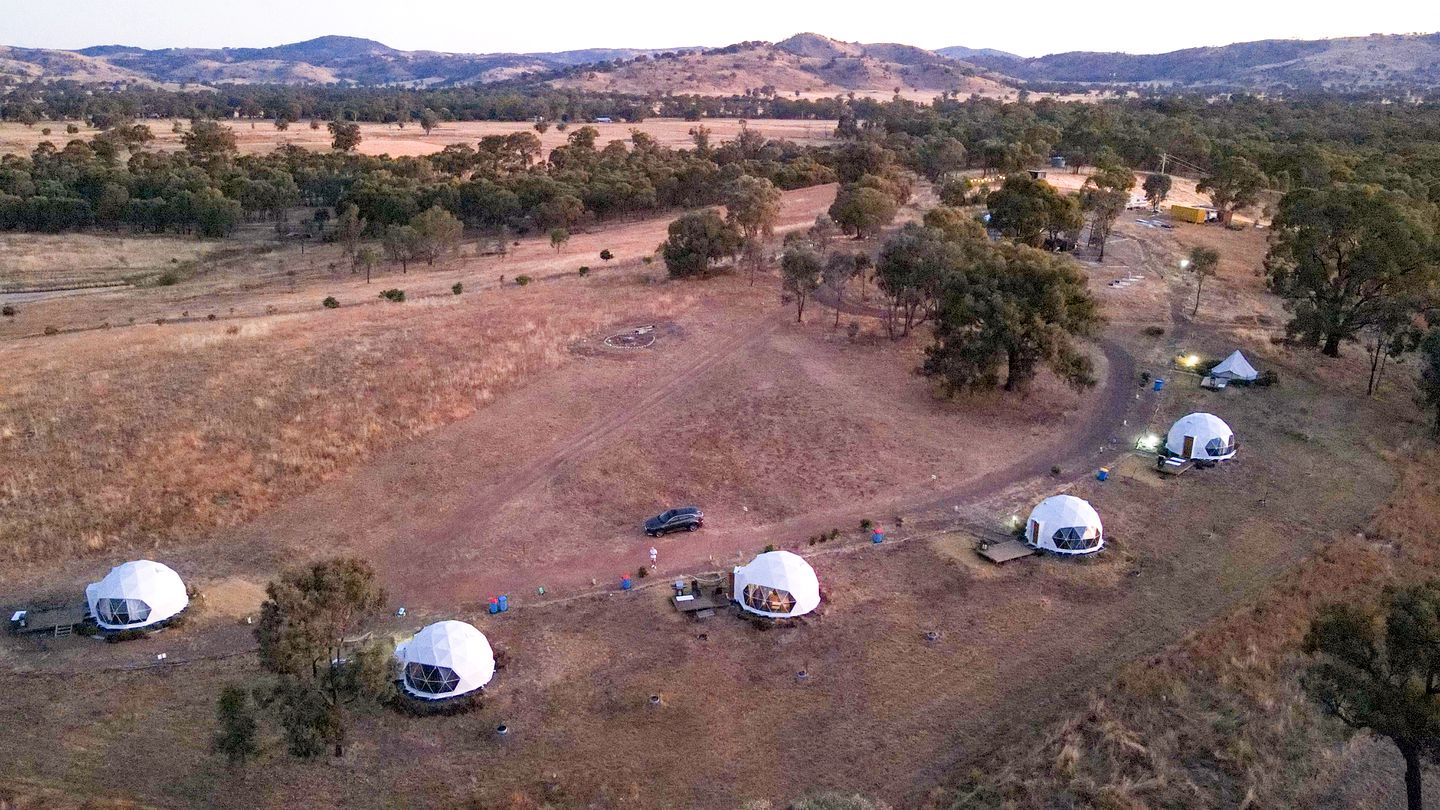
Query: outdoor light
pixel 1148 442
pixel 1184 263
pixel 1191 360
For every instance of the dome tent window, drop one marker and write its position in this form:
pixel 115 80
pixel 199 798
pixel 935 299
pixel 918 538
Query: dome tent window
pixel 122 611
pixel 1076 538
pixel 770 600
pixel 430 679
pixel 1219 447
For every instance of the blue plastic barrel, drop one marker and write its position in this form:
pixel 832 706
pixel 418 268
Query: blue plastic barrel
pixel 625 583
pixel 1159 383
pixel 877 537
pixel 494 606
pixel 504 603
pixel 1103 475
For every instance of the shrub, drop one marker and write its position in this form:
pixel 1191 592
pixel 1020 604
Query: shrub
pixel 125 635
pixel 167 279
pixel 397 296
pixel 606 255
pixel 584 270
pixel 210 317
pixel 330 302
pixel 1154 331
pixel 1267 378
pixel 72 129
pixel 45 130
pixel 834 533
pixel 769 548
pixel 8 310
pixel 647 259
pixel 457 288
pixel 1055 470
pixel 866 525
pixel 52 330
pixel 521 281
pixel 642 572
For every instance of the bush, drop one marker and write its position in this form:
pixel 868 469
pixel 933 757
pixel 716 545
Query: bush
pixel 1154 331
pixel 642 572
pixel 397 296
pixel 866 525
pixel 647 259
pixel 521 281
pixel 169 278
pixel 72 129
pixel 584 270
pixel 330 302
pixel 1055 470
pixel 769 548
pixel 45 130
pixel 126 635
pixel 1267 378
pixel 457 288
pixel 8 310
pixel 52 330
pixel 606 255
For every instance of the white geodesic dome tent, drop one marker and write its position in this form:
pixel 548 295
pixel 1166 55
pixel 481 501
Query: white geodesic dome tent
pixel 136 594
pixel 1202 436
pixel 777 584
pixel 1065 524
pixel 444 660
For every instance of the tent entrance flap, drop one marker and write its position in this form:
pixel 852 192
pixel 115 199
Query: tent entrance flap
pixel 1189 446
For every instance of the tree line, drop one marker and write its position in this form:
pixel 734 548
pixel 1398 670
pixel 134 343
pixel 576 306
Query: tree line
pixel 501 183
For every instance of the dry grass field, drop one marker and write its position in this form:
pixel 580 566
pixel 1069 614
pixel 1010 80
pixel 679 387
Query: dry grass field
pixel 260 136
pixel 491 443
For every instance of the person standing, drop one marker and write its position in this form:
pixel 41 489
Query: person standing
pixel 654 555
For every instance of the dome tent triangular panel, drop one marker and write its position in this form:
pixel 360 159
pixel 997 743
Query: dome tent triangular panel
pixel 136 594
pixel 1202 436
pixel 1065 524
pixel 778 584
pixel 444 660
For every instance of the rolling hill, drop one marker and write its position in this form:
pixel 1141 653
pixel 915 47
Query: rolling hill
pixel 1372 63
pixel 805 65
pixel 324 60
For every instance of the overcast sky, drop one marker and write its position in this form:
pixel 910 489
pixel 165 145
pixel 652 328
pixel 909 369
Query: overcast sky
pixel 483 26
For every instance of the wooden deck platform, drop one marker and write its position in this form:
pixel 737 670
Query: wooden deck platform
pixel 55 621
pixel 1173 466
pixel 1004 551
pixel 697 605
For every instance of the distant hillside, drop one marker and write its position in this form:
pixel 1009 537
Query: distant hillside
pixel 805 65
pixel 318 61
pixel 1376 62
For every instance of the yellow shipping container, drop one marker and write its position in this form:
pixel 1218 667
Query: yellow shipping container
pixel 1187 213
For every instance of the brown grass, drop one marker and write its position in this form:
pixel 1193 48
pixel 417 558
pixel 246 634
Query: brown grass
pixel 260 136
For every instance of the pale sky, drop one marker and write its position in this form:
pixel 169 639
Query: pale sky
pixel 486 26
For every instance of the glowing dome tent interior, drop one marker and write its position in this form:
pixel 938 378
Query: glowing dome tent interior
pixel 777 584
pixel 1202 436
pixel 1065 524
pixel 135 595
pixel 445 660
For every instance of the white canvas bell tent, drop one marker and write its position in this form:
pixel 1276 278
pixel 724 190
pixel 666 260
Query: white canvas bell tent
pixel 1065 524
pixel 1235 367
pixel 777 584
pixel 1202 436
pixel 444 660
pixel 136 594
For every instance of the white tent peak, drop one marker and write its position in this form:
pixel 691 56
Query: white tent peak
pixel 445 659
pixel 1235 367
pixel 136 594
pixel 778 584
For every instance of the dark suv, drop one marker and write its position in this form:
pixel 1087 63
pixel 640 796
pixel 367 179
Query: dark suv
pixel 688 518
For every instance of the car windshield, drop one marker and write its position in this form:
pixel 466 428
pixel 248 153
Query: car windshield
pixel 666 515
